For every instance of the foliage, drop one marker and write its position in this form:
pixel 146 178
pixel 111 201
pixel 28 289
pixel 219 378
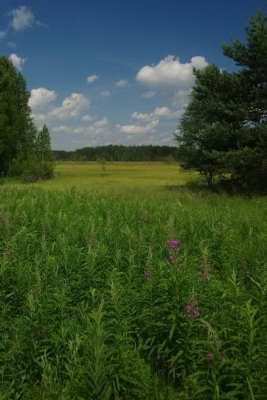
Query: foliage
pixel 21 147
pixel 223 131
pixel 111 297
pixel 117 153
pixel 36 163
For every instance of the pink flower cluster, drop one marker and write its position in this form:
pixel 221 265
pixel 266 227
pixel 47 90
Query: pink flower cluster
pixel 174 250
pixel 211 356
pixel 204 271
pixel 147 275
pixel 192 311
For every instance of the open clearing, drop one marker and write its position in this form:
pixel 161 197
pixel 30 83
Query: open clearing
pixel 119 177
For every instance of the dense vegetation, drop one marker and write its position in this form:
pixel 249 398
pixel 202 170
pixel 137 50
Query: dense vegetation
pixel 24 151
pixel 131 294
pixel 223 132
pixel 129 297
pixel 118 153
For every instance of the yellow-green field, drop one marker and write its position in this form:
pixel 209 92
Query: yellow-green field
pixel 121 177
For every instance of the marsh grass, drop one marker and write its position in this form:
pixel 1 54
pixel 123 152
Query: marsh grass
pixel 149 177
pixel 92 307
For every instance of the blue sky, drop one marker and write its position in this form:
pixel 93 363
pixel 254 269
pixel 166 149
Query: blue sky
pixel 116 71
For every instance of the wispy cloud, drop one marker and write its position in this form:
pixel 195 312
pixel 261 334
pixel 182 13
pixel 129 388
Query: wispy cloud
pixel 92 78
pixel 159 112
pixel 122 83
pixel 2 35
pixel 105 93
pixel 148 95
pixel 87 118
pixel 137 129
pixel 22 18
pixel 11 44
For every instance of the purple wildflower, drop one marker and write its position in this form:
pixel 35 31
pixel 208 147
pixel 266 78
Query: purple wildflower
pixel 147 275
pixel 174 250
pixel 210 356
pixel 173 243
pixel 192 311
pixel 204 271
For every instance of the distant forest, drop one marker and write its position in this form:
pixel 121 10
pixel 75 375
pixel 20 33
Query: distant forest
pixel 118 153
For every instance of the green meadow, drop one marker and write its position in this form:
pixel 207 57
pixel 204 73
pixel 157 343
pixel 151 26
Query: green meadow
pixel 131 281
pixel 119 176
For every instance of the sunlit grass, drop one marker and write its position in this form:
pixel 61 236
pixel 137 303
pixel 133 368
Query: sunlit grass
pixel 154 177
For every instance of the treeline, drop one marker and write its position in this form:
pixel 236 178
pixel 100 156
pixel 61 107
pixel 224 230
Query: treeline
pixel 118 153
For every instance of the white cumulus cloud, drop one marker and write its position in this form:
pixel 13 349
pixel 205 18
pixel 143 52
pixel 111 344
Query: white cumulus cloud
pixel 92 78
pixel 93 131
pixel 121 83
pixel 41 97
pixel 23 18
pixel 87 118
pixel 166 112
pixel 158 112
pixel 101 123
pixel 137 129
pixel 71 107
pixel 61 128
pixel 170 73
pixel 17 61
pixel 41 103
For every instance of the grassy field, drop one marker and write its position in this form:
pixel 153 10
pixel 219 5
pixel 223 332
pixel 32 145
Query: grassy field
pixel 124 177
pixel 133 288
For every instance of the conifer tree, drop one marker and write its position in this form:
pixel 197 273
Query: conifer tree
pixel 224 128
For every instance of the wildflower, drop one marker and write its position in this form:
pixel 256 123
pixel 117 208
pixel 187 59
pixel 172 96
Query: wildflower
pixel 44 231
pixel 147 275
pixel 210 356
pixel 192 311
pixel 204 271
pixel 174 250
pixel 171 258
pixel 173 243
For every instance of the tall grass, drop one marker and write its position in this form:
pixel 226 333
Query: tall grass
pixel 141 177
pixel 93 306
